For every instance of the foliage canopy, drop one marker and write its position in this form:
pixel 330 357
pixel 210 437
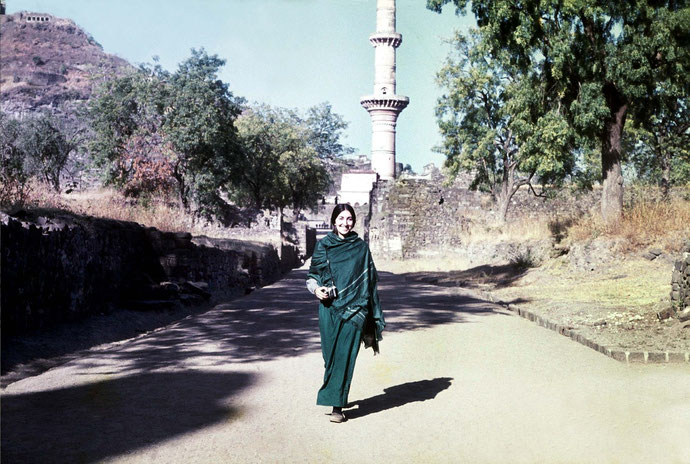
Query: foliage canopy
pixel 602 61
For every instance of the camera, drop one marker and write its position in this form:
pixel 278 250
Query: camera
pixel 332 292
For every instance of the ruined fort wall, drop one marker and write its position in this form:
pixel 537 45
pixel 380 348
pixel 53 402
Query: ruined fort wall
pixel 426 217
pixel 64 269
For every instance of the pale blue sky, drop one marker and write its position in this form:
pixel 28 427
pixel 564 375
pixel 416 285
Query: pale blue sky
pixel 289 53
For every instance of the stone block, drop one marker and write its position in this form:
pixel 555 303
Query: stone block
pixel 636 357
pixel 675 277
pixel 655 357
pixel 676 357
pixel 666 313
pixel 684 315
pixel 618 355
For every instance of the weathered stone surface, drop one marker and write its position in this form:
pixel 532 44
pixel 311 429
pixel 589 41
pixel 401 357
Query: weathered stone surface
pixel 684 315
pixel 680 283
pixel 66 268
pixel 656 357
pixel 666 313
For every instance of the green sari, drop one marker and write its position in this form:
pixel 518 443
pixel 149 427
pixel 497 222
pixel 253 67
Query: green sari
pixel 353 317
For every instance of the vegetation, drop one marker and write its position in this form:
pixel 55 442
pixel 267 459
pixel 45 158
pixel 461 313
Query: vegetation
pixel 156 134
pixel 283 160
pixel 600 64
pixel 154 130
pixel 186 132
pixel 494 124
pixel 38 147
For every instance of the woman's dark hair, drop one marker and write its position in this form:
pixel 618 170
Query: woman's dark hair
pixel 339 208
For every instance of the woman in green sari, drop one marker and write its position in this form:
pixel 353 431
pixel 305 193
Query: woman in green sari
pixel 343 277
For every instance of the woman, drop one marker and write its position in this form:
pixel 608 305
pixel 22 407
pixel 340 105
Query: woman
pixel 343 277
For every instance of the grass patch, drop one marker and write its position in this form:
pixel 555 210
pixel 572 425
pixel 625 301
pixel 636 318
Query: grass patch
pixel 161 212
pixel 516 230
pixel 661 223
pixel 633 283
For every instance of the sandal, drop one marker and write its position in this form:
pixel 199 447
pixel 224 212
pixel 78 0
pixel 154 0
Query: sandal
pixel 337 417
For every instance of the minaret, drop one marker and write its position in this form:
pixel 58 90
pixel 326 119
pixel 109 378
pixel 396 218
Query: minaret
pixel 384 105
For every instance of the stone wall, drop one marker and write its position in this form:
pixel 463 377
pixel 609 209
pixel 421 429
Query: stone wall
pixel 413 217
pixel 680 284
pixel 65 268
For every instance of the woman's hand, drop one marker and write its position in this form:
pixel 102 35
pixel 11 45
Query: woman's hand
pixel 321 293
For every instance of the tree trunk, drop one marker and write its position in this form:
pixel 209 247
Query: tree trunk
pixel 612 185
pixel 665 174
pixel 503 203
pixel 506 192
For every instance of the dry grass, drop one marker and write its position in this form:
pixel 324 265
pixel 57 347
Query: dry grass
pixel 160 212
pixel 106 203
pixel 517 230
pixel 664 224
pixel 631 283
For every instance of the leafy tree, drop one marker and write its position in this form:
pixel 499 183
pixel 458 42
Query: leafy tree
pixel 304 177
pixel 153 127
pixel 13 175
pixel 325 131
pixel 602 60
pixel 659 148
pixel 281 167
pixel 199 123
pixel 493 125
pixel 125 124
pixel 47 143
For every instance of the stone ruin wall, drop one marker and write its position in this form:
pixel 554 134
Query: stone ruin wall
pixel 419 217
pixel 680 285
pixel 60 270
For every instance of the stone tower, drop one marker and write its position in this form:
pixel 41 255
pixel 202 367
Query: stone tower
pixel 384 105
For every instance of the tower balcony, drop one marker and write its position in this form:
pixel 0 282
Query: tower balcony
pixel 390 102
pixel 391 39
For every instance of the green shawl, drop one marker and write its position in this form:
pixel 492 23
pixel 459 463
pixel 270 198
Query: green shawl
pixel 347 264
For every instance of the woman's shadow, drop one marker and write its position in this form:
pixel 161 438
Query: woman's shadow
pixel 399 395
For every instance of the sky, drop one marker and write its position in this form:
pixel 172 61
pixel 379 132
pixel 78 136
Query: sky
pixel 286 53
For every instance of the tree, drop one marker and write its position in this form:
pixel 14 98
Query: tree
pixel 659 146
pixel 13 174
pixel 177 126
pixel 47 143
pixel 124 119
pixel 493 126
pixel 199 122
pixel 281 167
pixel 603 61
pixel 325 132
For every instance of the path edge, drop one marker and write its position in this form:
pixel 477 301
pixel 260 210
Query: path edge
pixel 628 357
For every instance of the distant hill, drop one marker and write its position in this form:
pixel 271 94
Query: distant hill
pixel 48 62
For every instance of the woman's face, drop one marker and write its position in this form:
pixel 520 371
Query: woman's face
pixel 344 223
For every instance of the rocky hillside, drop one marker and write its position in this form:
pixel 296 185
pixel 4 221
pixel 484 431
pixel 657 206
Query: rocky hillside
pixel 48 62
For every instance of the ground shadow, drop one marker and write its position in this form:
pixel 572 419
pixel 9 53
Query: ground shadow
pixel 398 395
pixel 88 423
pixel 497 276
pixel 276 321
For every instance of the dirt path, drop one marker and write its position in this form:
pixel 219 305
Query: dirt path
pixel 458 380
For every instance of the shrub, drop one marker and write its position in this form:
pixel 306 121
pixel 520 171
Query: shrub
pixel 524 259
pixel 646 221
